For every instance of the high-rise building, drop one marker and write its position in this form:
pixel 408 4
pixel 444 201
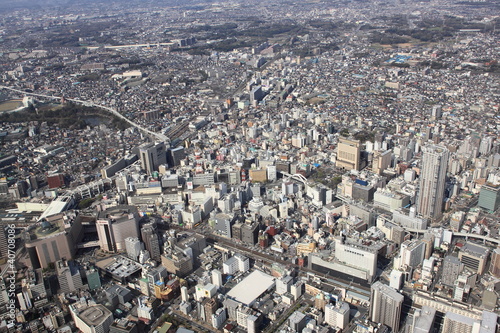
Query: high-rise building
pixel 297 289
pixel 94 318
pixel 219 317
pixel 177 262
pixel 134 247
pixel 249 233
pixel 243 263
pixel 456 323
pixel 452 267
pixel 297 321
pixel 54 239
pixel 152 155
pixel 353 254
pixel 174 156
pixel 411 254
pixel 432 181
pixel 348 154
pixel 3 243
pixel 381 161
pixel 151 241
pixel 93 278
pixel 223 223
pixel 283 284
pixel 68 274
pixel 486 144
pixel 116 224
pixel 386 305
pixel 210 306
pixel 474 257
pixel 217 278
pixel 436 112
pixel 337 315
pixel 495 263
pixel 489 197
pixel 423 320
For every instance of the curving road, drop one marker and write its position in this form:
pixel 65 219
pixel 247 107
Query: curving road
pixel 114 112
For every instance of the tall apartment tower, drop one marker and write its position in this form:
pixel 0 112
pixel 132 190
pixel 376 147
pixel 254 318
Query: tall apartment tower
pixel 149 236
pixel 152 155
pixel 386 305
pixel 432 181
pixel 348 154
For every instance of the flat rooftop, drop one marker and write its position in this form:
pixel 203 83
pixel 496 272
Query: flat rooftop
pixel 95 315
pixel 119 266
pixel 254 285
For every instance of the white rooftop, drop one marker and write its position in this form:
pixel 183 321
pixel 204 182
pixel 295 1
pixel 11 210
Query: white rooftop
pixel 254 285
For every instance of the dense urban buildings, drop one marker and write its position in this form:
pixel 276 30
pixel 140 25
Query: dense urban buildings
pixel 255 166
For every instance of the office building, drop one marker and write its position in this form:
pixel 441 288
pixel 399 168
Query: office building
pixel 134 247
pixel 452 267
pixel 474 257
pixel 68 274
pixel 411 254
pixel 357 255
pixel 297 321
pixel 249 233
pixel 174 156
pixel 177 262
pixel 436 112
pixel 381 161
pixel 149 235
pixel 152 155
pixel 283 284
pixel 489 197
pixel 223 223
pixel 495 263
pixel 386 305
pixel 423 320
pixel 123 326
pixel 297 289
pixel 396 279
pixel 116 224
pixel 93 278
pixel 230 266
pixel 55 238
pixel 217 278
pixel 218 318
pixel 154 275
pixel 337 315
pixel 432 181
pixel 209 307
pixel 94 318
pixel 34 288
pixel 348 154
pixel 204 291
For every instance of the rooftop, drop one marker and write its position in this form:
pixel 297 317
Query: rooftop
pixel 254 285
pixel 94 315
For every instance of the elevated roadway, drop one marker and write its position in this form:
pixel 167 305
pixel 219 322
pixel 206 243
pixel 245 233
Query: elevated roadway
pixel 157 136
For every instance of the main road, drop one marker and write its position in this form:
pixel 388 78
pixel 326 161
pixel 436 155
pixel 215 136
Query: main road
pixel 114 112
